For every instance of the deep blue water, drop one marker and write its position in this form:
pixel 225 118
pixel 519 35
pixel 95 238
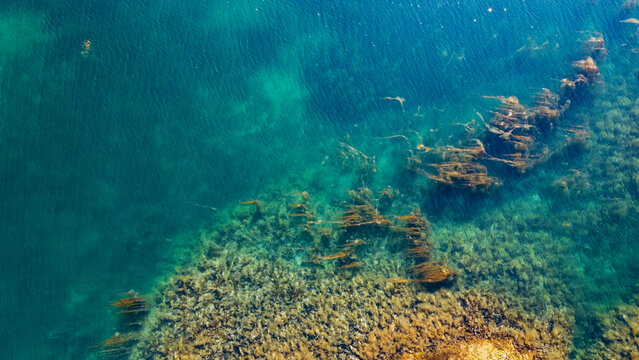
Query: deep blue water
pixel 106 157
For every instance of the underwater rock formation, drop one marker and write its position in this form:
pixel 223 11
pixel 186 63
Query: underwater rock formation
pixel 239 306
pixel 620 335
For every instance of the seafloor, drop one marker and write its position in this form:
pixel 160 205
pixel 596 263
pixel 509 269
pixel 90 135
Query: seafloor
pixel 512 238
pixel 240 301
pixel 421 265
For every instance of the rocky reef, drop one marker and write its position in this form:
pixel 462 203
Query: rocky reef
pixel 407 268
pixel 236 305
pixel 258 290
pixel 620 334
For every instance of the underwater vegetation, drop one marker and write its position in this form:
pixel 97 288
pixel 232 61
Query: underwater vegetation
pixel 363 265
pixel 260 289
pixel 620 333
pixel 237 305
pixel 460 167
pixel 356 179
pixel 132 311
pixel 515 135
pixel 363 274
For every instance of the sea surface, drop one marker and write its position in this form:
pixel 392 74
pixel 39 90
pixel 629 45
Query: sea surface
pixel 129 128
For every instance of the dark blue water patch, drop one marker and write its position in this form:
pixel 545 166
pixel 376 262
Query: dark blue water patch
pixel 423 53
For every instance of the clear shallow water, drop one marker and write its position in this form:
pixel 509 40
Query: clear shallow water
pixel 105 155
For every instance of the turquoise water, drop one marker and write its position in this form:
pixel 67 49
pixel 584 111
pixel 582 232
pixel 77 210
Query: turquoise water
pixel 115 158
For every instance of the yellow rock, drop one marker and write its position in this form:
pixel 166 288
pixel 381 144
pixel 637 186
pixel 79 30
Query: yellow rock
pixel 482 349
